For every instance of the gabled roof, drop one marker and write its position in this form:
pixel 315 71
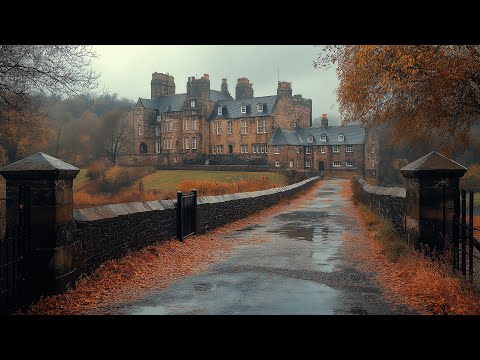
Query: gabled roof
pixel 216 95
pixel 39 162
pixel 354 134
pixel 232 107
pixel 433 162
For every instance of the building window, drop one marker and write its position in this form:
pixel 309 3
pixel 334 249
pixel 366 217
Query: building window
pixel 276 149
pixel 218 149
pixel 341 137
pixel 243 126
pixel 229 127
pixel 294 124
pixel 349 163
pixel 310 139
pixel 263 149
pixel 261 126
pixel 244 149
pixel 373 150
pixel 192 103
pixel 174 159
pixel 349 148
pixel 140 130
pixel 194 124
pixel 291 163
pixel 337 163
pixel 243 109
pixel 308 163
pixel 159 118
pixel 373 163
pixel 298 149
pixel 157 130
pixel 323 137
pixel 193 112
pixel 298 163
pixel 187 145
pixel 336 148
pixel 157 146
pixel 308 150
pixel 187 124
pixel 323 149
pixel 168 126
pixel 259 107
pixel 220 110
pixel 217 127
pixel 277 163
pixel 194 143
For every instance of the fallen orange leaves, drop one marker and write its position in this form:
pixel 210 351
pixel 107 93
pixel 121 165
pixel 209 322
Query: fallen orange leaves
pixel 426 286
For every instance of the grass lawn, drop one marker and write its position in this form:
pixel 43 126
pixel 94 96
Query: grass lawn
pixel 80 180
pixel 166 180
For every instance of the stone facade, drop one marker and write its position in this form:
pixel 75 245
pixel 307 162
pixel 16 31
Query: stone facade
pixel 206 126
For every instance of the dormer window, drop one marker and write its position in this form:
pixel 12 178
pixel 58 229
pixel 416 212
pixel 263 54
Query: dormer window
pixel 159 118
pixel 259 107
pixel 243 109
pixel 323 137
pixel 193 103
pixel 220 110
pixel 341 137
pixel 310 139
pixel 167 108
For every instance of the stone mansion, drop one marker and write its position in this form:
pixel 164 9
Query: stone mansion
pixel 210 127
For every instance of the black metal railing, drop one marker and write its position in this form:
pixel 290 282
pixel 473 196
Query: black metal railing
pixel 186 214
pixel 464 232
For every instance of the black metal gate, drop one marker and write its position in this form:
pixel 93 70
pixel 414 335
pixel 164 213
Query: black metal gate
pixel 14 254
pixel 464 235
pixel 186 214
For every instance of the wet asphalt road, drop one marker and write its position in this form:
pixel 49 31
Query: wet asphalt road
pixel 301 270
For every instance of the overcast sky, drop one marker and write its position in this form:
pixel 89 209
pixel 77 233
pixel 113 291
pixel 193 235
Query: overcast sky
pixel 127 70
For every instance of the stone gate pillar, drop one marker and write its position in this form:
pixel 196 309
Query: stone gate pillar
pixel 49 184
pixel 432 186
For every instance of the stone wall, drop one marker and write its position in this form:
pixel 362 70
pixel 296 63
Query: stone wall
pixel 111 231
pixel 388 202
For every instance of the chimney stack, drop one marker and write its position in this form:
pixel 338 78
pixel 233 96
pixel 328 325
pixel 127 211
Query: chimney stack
pixel 284 89
pixel 244 89
pixel 324 120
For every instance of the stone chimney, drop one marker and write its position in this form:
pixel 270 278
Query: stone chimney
pixel 162 85
pixel 284 89
pixel 224 87
pixel 324 120
pixel 198 88
pixel 244 89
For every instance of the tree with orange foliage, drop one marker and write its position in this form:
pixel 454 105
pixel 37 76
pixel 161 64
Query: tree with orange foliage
pixel 425 92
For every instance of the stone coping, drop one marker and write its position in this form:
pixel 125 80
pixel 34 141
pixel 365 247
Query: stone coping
pixel 381 190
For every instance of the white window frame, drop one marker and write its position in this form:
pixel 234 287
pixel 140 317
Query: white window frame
pixel 341 137
pixel 349 148
pixel 336 148
pixel 276 149
pixel 193 103
pixel 323 137
pixel 372 163
pixel 194 124
pixel 259 107
pixel 194 143
pixel 140 130
pixel 254 148
pixel 214 149
pixel 157 130
pixel 261 126
pixel 310 139
pixel 229 126
pixel 157 146
pixel 291 163
pixel 243 109
pixel 294 124
pixel 159 118
pixel 323 149
pixel 217 127
pixel 349 163
pixel 308 163
pixel 298 149
pixel 187 144
pixel 243 127
pixel 373 150
pixel 242 149
pixel 220 110
pixel 187 124
pixel 337 164
pixel 246 148
pixel 308 150
pixel 277 163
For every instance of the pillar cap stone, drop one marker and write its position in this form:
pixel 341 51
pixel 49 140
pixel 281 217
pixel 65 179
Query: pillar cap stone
pixel 432 164
pixel 39 165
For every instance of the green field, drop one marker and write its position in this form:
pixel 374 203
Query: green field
pixel 80 180
pixel 167 180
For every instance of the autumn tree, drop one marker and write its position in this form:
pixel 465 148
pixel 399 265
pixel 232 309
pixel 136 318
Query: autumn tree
pixel 117 133
pixel 425 93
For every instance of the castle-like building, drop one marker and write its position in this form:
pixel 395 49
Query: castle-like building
pixel 207 127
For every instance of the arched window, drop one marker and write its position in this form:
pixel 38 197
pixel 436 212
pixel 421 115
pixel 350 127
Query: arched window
pixel 143 148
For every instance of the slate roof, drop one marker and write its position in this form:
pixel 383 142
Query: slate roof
pixel 231 108
pixel 176 102
pixel 433 161
pixel 39 162
pixel 354 134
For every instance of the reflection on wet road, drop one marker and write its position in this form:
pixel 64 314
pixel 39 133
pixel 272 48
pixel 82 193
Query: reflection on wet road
pixel 301 270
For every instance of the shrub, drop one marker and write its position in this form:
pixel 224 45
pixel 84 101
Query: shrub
pixel 210 187
pixel 96 169
pixel 471 179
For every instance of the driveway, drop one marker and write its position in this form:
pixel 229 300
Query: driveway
pixel 302 269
